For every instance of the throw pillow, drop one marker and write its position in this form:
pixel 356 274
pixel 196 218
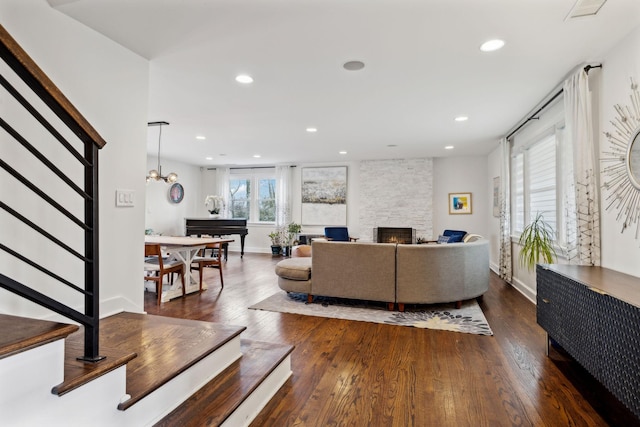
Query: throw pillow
pixel 443 239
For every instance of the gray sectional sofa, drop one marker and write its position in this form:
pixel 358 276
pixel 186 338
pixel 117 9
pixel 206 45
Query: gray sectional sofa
pixel 392 273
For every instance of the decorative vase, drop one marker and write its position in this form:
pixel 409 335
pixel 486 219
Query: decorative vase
pixel 214 215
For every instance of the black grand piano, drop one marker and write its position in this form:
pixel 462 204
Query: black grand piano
pixel 218 227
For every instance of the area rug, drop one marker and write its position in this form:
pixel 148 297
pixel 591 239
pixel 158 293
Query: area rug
pixel 467 319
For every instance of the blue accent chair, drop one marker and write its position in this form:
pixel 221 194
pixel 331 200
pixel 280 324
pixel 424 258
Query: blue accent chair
pixel 338 234
pixel 455 236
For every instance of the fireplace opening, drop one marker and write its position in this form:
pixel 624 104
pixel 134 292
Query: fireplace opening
pixel 403 235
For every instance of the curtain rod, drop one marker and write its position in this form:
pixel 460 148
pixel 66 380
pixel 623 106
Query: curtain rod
pixel 555 95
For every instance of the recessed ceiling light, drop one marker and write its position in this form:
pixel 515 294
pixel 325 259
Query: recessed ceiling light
pixel 353 65
pixel 449 147
pixel 257 156
pixel 342 152
pixel 392 145
pixel 222 155
pixel 311 130
pixel 244 78
pixel 491 45
pixel 209 158
pixel 200 137
pixel 461 119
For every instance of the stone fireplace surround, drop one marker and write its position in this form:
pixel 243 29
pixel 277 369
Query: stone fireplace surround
pixel 395 192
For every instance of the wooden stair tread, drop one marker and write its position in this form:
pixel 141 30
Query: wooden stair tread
pixel 217 399
pixel 78 372
pixel 166 347
pixel 156 349
pixel 22 333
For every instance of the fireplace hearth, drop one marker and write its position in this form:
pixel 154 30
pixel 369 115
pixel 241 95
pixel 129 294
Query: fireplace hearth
pixel 394 235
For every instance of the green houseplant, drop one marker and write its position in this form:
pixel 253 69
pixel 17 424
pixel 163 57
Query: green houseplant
pixel 536 243
pixel 290 232
pixel 276 242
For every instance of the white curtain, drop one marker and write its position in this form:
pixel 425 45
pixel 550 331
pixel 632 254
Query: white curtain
pixel 283 195
pixel 505 269
pixel 582 201
pixel 222 184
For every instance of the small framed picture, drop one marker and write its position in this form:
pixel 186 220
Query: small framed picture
pixel 176 193
pixel 459 203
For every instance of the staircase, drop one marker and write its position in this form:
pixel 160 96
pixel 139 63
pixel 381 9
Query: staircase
pixel 157 370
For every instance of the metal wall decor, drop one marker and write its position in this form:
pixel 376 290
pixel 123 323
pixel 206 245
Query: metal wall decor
pixel 622 163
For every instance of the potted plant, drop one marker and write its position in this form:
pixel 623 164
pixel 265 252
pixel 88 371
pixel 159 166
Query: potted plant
pixel 536 243
pixel 214 204
pixel 276 242
pixel 290 232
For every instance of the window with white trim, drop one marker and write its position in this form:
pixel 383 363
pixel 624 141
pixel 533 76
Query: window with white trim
pixel 536 185
pixel 252 194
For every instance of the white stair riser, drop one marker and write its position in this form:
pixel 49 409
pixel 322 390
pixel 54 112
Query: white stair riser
pixel 30 374
pixel 253 404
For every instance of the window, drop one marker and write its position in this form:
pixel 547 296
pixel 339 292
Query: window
pixel 252 194
pixel 536 185
pixel 541 159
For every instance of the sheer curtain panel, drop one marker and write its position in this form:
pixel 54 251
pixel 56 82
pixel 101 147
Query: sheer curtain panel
pixel 505 269
pixel 583 222
pixel 283 195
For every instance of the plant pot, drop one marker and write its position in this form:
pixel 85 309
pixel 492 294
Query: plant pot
pixel 275 249
pixel 286 250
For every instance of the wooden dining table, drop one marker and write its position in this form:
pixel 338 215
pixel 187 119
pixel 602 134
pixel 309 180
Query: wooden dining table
pixel 184 248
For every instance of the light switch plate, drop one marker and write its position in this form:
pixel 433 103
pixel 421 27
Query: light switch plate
pixel 125 198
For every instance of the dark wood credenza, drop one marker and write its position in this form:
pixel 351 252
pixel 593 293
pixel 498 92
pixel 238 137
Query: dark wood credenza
pixel 218 227
pixel 594 314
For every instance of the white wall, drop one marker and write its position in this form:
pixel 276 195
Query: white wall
pixel 619 251
pixel 461 175
pixel 164 216
pixel 109 86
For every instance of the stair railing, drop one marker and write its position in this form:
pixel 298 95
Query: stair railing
pixel 26 69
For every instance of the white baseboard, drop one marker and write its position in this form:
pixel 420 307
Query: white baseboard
pixel 525 290
pixel 520 286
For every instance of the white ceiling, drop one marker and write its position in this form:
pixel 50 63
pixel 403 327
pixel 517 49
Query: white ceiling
pixel 423 68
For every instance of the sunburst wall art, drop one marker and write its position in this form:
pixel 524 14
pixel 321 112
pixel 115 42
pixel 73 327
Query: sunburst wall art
pixel 621 164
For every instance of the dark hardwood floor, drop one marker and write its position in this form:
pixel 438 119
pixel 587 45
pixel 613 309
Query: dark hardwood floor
pixel 364 374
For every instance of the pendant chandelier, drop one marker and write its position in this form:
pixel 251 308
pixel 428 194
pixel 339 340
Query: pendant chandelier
pixel 157 173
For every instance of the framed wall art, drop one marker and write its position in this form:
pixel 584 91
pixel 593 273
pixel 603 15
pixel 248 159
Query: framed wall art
pixel 176 193
pixel 324 195
pixel 459 203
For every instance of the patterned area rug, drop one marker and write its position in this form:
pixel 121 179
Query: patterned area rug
pixel 468 319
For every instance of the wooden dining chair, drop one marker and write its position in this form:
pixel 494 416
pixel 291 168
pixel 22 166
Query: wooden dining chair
pixel 201 261
pixel 159 267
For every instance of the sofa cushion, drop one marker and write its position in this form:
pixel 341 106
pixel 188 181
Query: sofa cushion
pixel 294 268
pixel 444 239
pixel 455 236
